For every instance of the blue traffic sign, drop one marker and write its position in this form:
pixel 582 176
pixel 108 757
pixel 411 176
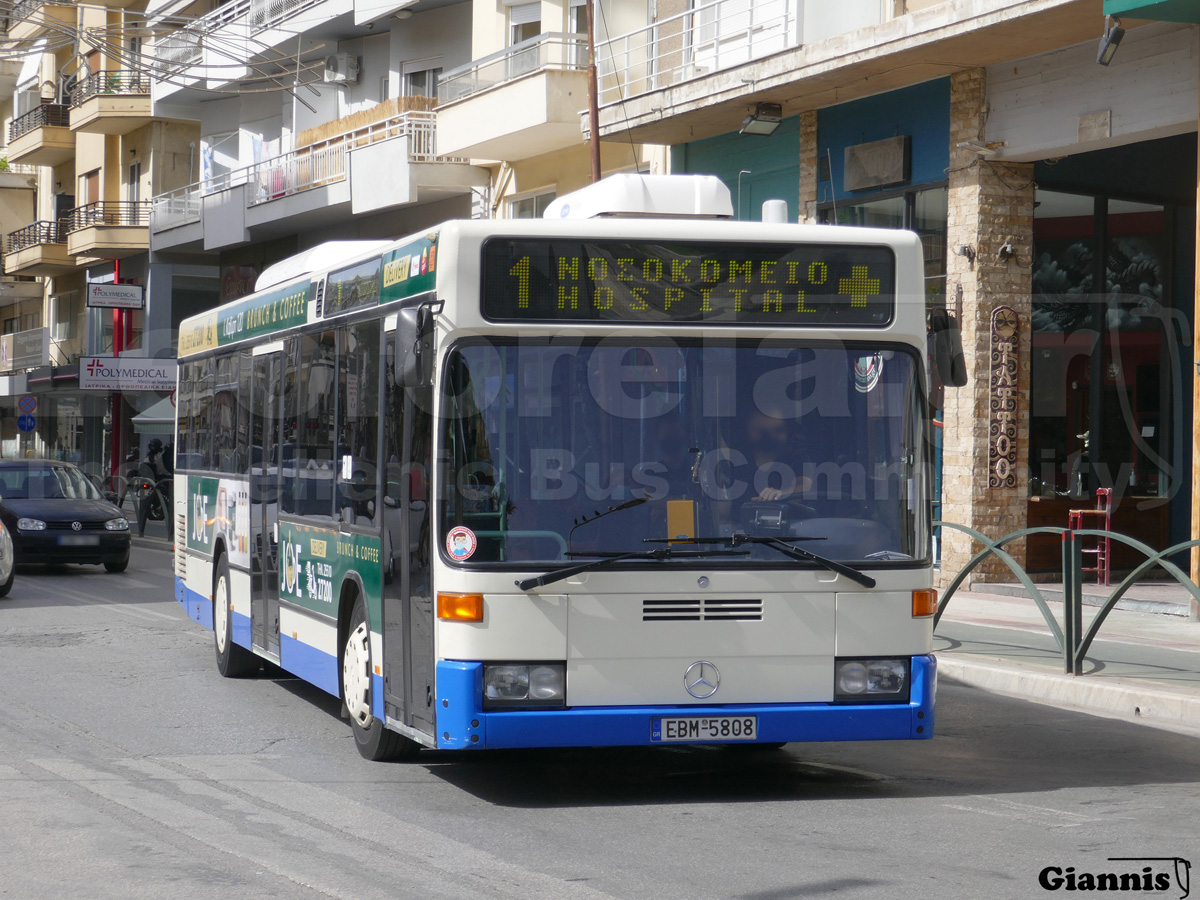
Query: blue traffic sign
pixel 26 422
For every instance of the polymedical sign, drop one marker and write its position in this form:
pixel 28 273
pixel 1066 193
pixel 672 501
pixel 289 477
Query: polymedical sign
pixel 110 373
pixel 116 296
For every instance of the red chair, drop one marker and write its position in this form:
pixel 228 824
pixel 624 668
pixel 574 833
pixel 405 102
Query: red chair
pixel 1103 549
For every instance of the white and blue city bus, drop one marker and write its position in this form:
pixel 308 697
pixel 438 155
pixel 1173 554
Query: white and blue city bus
pixel 631 474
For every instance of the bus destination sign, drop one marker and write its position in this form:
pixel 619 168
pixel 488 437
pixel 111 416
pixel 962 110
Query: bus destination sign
pixel 818 285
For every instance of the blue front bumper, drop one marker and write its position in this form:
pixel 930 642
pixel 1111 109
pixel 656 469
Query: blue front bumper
pixel 463 724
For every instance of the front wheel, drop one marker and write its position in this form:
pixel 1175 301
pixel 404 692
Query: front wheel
pixel 232 660
pixel 116 565
pixel 374 741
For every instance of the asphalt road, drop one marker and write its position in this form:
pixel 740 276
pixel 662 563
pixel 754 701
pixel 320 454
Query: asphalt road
pixel 128 768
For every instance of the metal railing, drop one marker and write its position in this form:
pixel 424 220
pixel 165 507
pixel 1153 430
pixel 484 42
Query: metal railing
pixel 321 163
pixel 41 232
pixel 1073 642
pixel 552 50
pixel 177 207
pixel 181 47
pixel 107 212
pixel 11 168
pixel 714 36
pixel 264 13
pixel 23 9
pixel 57 115
pixel 100 83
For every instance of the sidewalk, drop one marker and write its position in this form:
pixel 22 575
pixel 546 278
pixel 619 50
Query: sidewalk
pixel 1142 667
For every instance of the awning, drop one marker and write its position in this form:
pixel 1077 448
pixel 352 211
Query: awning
pixel 158 419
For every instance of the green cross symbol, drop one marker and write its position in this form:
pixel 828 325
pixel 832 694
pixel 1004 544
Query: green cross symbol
pixel 860 285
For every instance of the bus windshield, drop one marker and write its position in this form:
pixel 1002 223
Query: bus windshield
pixel 763 438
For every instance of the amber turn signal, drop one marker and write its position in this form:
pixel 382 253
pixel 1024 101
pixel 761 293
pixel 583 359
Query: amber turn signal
pixel 924 603
pixel 468 607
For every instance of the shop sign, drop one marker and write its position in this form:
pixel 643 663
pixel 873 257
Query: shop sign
pixel 31 348
pixel 116 296
pixel 110 373
pixel 1002 399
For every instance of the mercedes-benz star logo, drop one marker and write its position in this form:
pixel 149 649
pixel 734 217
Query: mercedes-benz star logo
pixel 702 679
pixel 76 526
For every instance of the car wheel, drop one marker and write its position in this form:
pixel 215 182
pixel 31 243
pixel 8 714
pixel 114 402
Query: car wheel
pixel 116 565
pixel 8 582
pixel 374 742
pixel 233 660
pixel 8 560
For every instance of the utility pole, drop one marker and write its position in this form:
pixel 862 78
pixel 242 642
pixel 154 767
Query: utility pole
pixel 593 92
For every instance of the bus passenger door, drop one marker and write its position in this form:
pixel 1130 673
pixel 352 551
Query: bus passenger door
pixel 267 416
pixel 407 588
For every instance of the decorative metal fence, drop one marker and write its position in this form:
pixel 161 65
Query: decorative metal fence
pixel 1072 640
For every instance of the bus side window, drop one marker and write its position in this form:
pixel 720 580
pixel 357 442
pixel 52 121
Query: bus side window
pixel 357 474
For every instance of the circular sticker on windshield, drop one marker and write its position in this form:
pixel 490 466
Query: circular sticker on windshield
pixel 460 542
pixel 867 370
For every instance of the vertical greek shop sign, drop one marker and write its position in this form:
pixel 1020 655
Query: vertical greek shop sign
pixel 1002 402
pixel 314 561
pixel 245 319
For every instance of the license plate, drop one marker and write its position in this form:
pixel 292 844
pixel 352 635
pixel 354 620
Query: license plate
pixel 78 540
pixel 704 728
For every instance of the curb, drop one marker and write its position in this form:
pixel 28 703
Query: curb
pixel 1161 607
pixel 1159 705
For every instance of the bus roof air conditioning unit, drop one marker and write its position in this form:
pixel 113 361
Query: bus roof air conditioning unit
pixel 878 163
pixel 627 195
pixel 341 68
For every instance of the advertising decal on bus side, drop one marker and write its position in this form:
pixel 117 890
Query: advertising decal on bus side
pixel 313 563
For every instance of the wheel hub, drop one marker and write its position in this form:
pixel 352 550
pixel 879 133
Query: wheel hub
pixel 356 675
pixel 221 613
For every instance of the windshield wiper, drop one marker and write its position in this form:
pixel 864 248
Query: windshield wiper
pixel 661 553
pixel 785 547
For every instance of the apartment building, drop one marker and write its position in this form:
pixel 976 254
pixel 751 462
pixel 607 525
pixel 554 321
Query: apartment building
pixel 1046 155
pixel 315 123
pixel 79 127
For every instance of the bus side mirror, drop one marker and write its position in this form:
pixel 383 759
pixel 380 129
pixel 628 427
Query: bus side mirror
pixel 413 346
pixel 946 350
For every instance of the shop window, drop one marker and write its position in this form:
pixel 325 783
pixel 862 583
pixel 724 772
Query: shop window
pixel 1100 317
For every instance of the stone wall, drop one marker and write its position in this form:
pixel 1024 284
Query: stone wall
pixel 990 204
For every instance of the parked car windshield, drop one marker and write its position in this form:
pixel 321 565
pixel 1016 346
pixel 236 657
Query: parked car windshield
pixel 37 481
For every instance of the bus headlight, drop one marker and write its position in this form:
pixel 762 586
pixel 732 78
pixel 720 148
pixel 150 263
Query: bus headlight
pixel 870 680
pixel 524 684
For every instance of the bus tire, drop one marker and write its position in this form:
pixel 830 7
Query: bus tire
pixel 233 661
pixel 374 741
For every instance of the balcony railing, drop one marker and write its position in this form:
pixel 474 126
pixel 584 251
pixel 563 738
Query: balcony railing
pixel 321 163
pixel 717 35
pixel 42 232
pixel 546 51
pixel 48 114
pixel 177 207
pixel 23 9
pixel 181 47
pixel 264 13
pixel 100 83
pixel 107 212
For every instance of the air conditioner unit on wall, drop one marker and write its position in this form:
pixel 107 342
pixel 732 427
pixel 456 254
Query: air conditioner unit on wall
pixel 341 68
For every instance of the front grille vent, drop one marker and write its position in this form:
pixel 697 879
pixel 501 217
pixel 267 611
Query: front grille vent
pixel 707 610
pixel 181 547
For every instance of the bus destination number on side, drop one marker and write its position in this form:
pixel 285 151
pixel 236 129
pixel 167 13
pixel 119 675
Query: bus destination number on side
pixel 704 728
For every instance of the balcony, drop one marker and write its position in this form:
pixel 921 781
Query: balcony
pixel 111 103
pixel 384 165
pixel 30 19
pixel 521 102
pixel 38 249
pixel 110 229
pixel 42 137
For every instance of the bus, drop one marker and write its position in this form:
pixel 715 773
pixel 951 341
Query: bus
pixel 631 474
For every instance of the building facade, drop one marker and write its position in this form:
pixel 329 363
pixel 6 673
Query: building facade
pixel 1055 198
